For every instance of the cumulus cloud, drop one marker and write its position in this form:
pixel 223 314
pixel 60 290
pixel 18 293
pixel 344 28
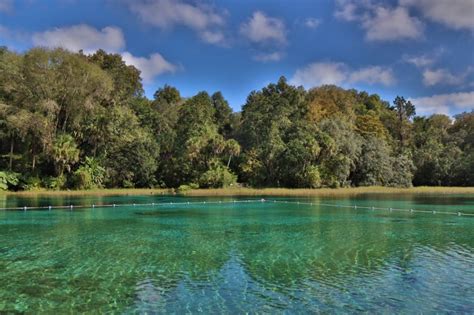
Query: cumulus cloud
pixel 444 103
pixel 455 14
pixel 274 56
pixel 392 24
pixel 82 37
pixel 150 67
pixel 420 61
pixel 380 22
pixel 373 75
pixel 205 20
pixel 339 73
pixel 263 29
pixel 6 5
pixel 441 76
pixel 312 23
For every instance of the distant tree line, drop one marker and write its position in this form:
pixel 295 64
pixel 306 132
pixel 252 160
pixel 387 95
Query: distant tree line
pixel 70 120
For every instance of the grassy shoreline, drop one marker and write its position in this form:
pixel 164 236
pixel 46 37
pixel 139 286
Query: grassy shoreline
pixel 252 191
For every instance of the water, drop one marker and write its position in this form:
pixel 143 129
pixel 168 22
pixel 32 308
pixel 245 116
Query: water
pixel 257 257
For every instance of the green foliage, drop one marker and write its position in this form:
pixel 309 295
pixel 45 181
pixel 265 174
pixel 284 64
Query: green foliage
pixel 183 189
pixel 9 180
pixel 89 175
pixel 68 120
pixel 55 183
pixel 32 183
pixel 64 153
pixel 217 176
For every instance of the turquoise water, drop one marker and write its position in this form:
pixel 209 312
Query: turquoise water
pixel 257 257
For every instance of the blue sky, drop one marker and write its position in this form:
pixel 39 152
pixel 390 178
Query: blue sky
pixel 421 49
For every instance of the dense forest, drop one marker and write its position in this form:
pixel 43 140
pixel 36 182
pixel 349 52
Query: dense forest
pixel 75 121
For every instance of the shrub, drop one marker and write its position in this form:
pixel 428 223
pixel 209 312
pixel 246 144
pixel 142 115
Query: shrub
pixel 216 177
pixel 32 183
pixel 55 183
pixel 89 175
pixel 9 180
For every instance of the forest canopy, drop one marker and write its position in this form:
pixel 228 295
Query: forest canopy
pixel 75 121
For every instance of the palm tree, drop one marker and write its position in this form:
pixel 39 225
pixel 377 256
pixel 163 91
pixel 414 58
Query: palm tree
pixel 65 153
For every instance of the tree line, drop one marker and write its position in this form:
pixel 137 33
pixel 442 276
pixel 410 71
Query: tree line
pixel 75 121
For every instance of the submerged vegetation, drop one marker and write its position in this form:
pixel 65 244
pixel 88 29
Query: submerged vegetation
pixel 75 121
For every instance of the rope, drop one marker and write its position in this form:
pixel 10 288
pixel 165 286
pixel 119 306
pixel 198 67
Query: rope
pixel 153 204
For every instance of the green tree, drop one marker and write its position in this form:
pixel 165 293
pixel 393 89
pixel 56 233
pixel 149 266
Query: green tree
pixel 404 110
pixel 65 153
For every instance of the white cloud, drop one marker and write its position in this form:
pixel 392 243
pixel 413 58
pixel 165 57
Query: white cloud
pixel 6 5
pixel 346 10
pixel 213 37
pixel 444 103
pixel 456 14
pixel 264 29
pixel 441 76
pixel 169 13
pixel 421 61
pixel 312 23
pixel 381 23
pixel 274 56
pixel 373 75
pixel 392 24
pixel 150 67
pixel 338 73
pixel 82 37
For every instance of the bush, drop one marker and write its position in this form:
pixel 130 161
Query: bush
pixel 89 175
pixel 9 180
pixel 217 176
pixel 55 183
pixel 32 183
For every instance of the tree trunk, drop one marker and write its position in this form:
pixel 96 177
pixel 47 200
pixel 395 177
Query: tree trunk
pixel 10 162
pixel 228 162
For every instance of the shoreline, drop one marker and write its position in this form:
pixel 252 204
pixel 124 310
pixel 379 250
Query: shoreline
pixel 227 192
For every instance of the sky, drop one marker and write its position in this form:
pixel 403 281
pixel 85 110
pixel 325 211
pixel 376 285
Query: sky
pixel 420 49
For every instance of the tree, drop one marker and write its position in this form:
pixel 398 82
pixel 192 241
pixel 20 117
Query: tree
pixel 404 110
pixel 65 153
pixel 223 114
pixel 266 117
pixel 126 79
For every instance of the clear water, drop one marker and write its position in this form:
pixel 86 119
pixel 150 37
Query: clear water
pixel 236 258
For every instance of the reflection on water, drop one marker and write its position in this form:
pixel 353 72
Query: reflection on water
pixel 236 258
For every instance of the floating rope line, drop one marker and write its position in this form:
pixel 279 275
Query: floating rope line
pixel 355 207
pixel 153 204
pixel 114 205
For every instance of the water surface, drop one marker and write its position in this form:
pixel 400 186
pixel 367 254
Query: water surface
pixel 234 258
